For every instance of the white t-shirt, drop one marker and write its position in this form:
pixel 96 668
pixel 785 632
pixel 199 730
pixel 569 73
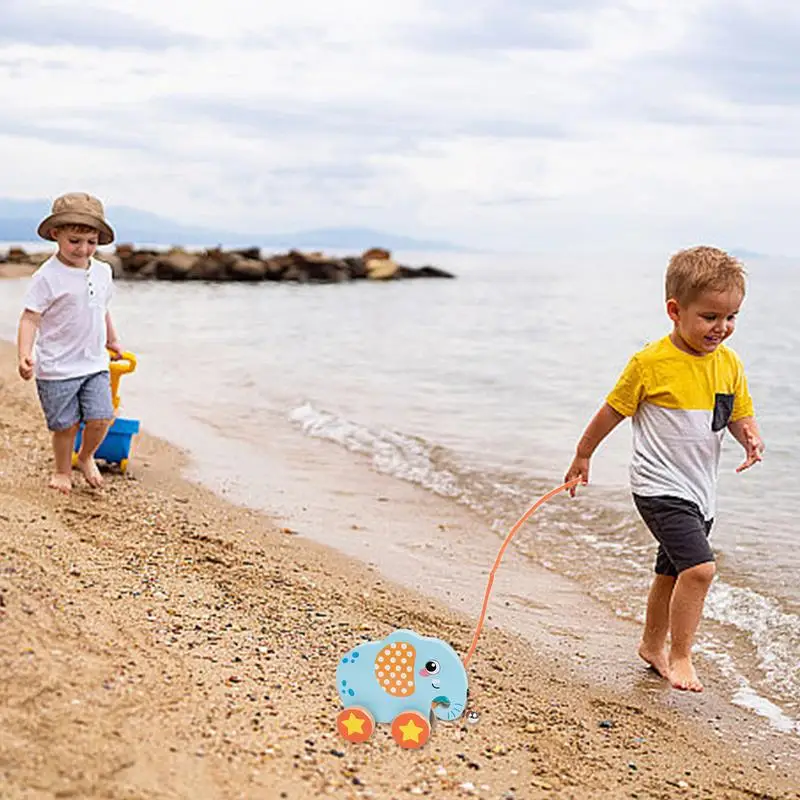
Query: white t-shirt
pixel 72 334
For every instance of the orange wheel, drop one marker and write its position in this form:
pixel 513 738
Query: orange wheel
pixel 355 724
pixel 410 729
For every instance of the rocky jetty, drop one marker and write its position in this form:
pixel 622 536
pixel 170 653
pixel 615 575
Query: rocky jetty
pixel 248 265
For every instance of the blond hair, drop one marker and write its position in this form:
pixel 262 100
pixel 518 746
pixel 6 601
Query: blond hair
pixel 700 269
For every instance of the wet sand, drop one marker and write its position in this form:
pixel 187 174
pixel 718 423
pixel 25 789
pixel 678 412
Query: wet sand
pixel 158 641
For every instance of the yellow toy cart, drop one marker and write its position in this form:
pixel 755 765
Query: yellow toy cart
pixel 116 447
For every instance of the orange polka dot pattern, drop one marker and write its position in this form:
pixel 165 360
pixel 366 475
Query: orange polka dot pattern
pixel 394 669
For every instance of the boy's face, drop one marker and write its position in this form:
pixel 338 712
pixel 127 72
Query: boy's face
pixel 707 321
pixel 76 247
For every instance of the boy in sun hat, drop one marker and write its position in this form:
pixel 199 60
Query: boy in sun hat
pixel 66 315
pixel 681 393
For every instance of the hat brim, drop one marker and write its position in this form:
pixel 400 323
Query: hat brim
pixel 104 230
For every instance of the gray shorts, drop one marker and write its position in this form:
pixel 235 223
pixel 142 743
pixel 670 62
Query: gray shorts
pixel 68 402
pixel 681 530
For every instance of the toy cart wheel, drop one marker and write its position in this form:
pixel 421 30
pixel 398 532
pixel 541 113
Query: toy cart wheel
pixel 123 466
pixel 355 724
pixel 410 729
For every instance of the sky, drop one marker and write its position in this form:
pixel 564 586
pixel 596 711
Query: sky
pixel 528 125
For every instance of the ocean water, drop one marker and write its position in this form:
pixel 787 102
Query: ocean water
pixel 477 389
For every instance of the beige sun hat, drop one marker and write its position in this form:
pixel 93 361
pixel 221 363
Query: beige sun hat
pixel 77 208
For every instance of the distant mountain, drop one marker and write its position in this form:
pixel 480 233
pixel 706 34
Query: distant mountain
pixel 20 218
pixel 741 252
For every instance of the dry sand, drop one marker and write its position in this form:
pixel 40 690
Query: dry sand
pixel 159 642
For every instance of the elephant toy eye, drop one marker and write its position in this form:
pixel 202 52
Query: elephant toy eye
pixel 432 667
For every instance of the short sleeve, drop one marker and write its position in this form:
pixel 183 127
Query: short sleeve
pixel 39 295
pixel 742 401
pixel 629 392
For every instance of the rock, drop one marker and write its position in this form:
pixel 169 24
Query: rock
pixel 315 267
pixel 381 269
pixel 175 265
pixel 220 255
pixel 136 261
pixel 301 259
pixel 276 267
pixel 37 259
pixel 434 272
pixel 207 268
pixel 244 264
pixel 16 255
pixel 328 271
pixel 295 274
pixel 356 267
pixel 148 270
pixel 247 269
pixel 376 253
pixel 253 253
pixel 114 261
pixel 125 250
pixel 422 272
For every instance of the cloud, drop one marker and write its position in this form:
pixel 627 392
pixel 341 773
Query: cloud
pixel 491 26
pixel 66 135
pixel 743 51
pixel 530 123
pixel 79 25
pixel 368 129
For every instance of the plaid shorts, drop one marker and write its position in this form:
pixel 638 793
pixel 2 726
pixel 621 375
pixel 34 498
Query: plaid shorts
pixel 68 402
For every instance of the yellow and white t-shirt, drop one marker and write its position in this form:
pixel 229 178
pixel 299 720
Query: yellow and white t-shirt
pixel 680 405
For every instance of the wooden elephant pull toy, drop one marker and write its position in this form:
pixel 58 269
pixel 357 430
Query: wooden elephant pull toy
pixel 408 680
pixel 404 679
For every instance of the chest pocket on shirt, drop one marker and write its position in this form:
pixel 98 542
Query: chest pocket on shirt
pixel 723 408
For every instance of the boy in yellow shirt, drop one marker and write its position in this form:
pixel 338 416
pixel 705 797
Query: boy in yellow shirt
pixel 681 393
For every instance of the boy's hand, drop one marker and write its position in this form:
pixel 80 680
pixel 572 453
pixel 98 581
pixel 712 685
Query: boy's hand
pixel 116 350
pixel 25 367
pixel 754 447
pixel 578 469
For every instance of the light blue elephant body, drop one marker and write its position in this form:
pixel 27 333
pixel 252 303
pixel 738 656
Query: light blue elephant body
pixel 403 672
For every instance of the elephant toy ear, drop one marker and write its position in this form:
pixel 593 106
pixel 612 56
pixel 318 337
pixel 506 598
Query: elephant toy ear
pixel 394 669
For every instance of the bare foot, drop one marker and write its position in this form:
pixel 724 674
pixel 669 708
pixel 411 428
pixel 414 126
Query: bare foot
pixel 62 483
pixel 91 473
pixel 656 658
pixel 683 676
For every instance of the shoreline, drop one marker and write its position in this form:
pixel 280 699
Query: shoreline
pixel 143 629
pixel 444 549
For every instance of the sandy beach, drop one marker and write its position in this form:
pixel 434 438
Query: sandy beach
pixel 157 641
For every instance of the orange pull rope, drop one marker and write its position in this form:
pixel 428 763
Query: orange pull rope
pixel 522 520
